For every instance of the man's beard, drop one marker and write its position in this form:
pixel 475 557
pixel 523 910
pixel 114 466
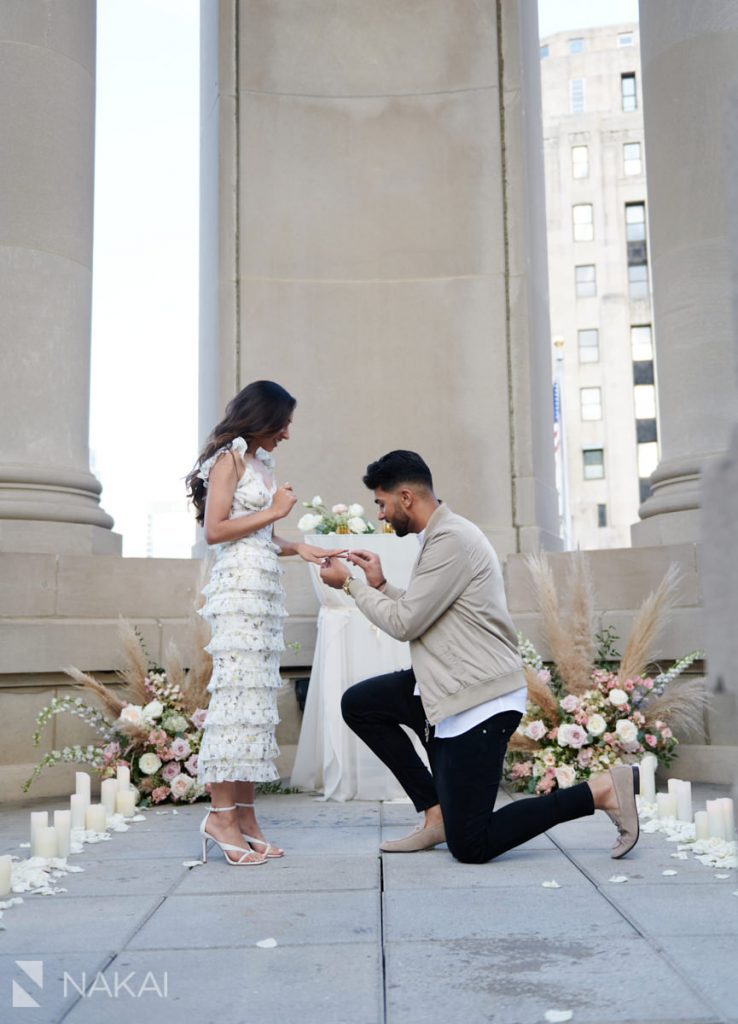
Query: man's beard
pixel 400 526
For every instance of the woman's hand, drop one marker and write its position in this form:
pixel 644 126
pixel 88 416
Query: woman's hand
pixel 283 501
pixel 310 553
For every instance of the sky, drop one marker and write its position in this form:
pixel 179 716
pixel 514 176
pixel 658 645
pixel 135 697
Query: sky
pixel 143 412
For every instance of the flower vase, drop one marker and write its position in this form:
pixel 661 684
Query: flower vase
pixel 342 528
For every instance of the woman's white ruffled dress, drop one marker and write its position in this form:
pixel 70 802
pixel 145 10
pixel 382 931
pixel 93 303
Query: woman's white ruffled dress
pixel 244 608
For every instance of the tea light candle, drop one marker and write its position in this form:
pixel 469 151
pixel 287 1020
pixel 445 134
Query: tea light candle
pixel 715 821
pixel 647 769
pixel 45 841
pixel 6 872
pixel 78 806
pixel 701 826
pixel 39 819
pixel 95 818
pixel 108 792
pixel 82 785
pixel 63 825
pixel 125 803
pixel 123 776
pixel 684 801
pixel 726 805
pixel 666 805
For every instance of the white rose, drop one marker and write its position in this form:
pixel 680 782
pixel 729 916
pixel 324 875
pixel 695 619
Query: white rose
pixel 181 785
pixel 626 731
pixel 356 510
pixel 535 730
pixel 154 709
pixel 317 500
pixel 149 763
pixel 132 714
pixel 596 725
pixel 562 736
pixel 618 697
pixel 356 525
pixel 565 776
pixel 309 522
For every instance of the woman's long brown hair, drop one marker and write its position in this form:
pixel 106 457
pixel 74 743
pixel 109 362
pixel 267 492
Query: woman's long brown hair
pixel 263 407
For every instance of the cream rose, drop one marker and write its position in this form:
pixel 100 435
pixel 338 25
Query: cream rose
pixel 181 785
pixel 132 714
pixel 626 731
pixel 618 697
pixel 596 725
pixel 149 763
pixel 565 776
pixel 309 522
pixel 154 709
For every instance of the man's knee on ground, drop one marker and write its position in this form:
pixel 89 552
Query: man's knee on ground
pixel 469 851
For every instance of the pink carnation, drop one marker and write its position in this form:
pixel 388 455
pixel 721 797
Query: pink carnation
pixel 198 718
pixel 158 738
pixel 545 785
pixel 170 770
pixel 159 794
pixel 651 740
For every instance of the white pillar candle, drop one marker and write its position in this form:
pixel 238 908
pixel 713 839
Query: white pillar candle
pixel 78 806
pixel 63 825
pixel 123 776
pixel 647 770
pixel 95 818
pixel 673 786
pixel 726 805
pixel 39 819
pixel 684 801
pixel 715 822
pixel 108 791
pixel 701 826
pixel 6 874
pixel 45 841
pixel 83 785
pixel 666 805
pixel 125 803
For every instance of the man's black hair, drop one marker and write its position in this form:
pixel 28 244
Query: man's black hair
pixel 395 468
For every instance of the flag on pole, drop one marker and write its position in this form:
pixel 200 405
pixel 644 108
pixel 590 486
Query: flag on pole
pixel 556 417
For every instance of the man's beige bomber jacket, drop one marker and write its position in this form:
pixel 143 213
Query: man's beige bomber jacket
pixel 454 613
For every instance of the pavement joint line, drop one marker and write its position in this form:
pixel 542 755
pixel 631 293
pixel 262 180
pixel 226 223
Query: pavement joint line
pixel 108 961
pixel 651 940
pixel 381 938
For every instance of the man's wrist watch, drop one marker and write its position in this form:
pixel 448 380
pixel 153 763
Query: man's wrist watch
pixel 346 585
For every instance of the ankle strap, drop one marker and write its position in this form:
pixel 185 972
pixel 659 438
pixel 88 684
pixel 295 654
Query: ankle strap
pixel 219 810
pixel 243 805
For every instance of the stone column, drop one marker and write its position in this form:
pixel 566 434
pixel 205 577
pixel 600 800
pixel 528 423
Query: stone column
pixel 689 55
pixel 48 497
pixel 380 196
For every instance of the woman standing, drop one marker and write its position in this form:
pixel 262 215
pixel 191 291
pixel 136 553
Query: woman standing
pixel 237 500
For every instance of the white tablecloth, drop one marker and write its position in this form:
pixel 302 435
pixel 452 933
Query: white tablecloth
pixel 330 758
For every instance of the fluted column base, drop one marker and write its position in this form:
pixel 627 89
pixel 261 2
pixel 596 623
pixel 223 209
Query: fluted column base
pixel 671 515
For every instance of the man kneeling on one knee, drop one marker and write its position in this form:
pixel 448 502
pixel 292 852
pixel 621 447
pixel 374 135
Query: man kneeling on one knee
pixel 465 693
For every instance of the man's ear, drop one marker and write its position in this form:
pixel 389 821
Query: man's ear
pixel 407 497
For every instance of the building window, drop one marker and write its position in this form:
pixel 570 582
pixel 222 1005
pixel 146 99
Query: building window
pixel 582 222
pixel 580 161
pixel 638 282
pixel 648 459
pixel 643 371
pixel 646 431
pixel 593 463
pixel 586 280
pixel 635 222
pixel 589 345
pixel 601 516
pixel 576 95
pixel 543 51
pixel 625 39
pixel 640 343
pixel 644 396
pixel 628 91
pixel 576 45
pixel 632 158
pixel 590 403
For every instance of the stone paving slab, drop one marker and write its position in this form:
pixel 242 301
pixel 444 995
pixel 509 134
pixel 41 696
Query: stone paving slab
pixel 712 963
pixel 44 924
pixel 54 998
pixel 514 980
pixel 305 873
pixel 129 877
pixel 520 867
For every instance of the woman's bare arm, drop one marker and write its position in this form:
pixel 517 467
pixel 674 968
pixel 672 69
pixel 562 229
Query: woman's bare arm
pixel 224 477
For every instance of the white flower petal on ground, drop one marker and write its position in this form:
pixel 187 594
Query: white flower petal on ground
pixel 680 856
pixel 722 876
pixel 616 879
pixel 266 943
pixel 669 872
pixel 192 863
pixel 551 885
pixel 558 1016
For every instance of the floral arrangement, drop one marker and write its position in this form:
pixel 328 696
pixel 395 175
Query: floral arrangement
pixel 155 727
pixel 592 709
pixel 340 519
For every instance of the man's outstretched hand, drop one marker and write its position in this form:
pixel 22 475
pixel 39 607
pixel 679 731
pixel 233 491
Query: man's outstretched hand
pixel 370 564
pixel 333 572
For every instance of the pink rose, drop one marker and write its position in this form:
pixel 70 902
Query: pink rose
pixel 544 676
pixel 651 740
pixel 667 733
pixel 647 684
pixel 535 730
pixel 628 685
pixel 170 770
pixel 159 794
pixel 570 703
pixel 584 757
pixel 191 764
pixel 181 748
pixel 198 718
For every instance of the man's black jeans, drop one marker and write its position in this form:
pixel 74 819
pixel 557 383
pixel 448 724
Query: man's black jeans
pixel 467 770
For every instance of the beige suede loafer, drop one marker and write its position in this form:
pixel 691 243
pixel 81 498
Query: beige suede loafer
pixel 626 782
pixel 420 839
